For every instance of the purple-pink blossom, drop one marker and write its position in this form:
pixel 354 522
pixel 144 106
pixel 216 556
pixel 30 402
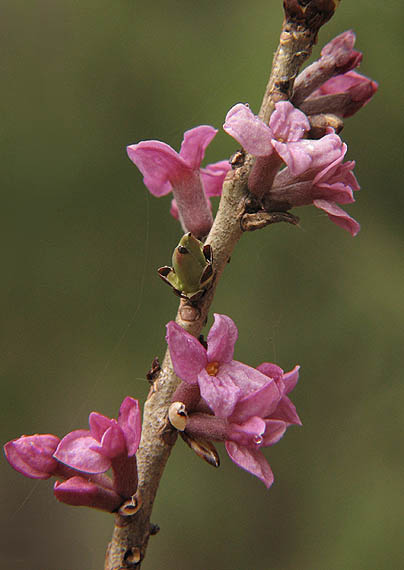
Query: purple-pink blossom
pixel 94 450
pixel 336 58
pixel 329 85
pixel 32 455
pixel 81 458
pixel 284 135
pixel 220 378
pixel 250 406
pixel 328 182
pixel 109 443
pixel 342 95
pixel 315 172
pixel 164 170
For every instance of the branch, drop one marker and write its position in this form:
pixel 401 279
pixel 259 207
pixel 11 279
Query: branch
pixel 131 533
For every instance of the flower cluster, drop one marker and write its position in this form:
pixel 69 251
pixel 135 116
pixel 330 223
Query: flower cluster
pixel 313 171
pixel 329 85
pixel 226 400
pixel 79 461
pixel 298 160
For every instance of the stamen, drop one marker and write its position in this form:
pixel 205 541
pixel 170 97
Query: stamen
pixel 212 368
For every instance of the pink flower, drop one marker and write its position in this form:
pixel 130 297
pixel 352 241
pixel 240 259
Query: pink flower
pixel 328 182
pixel 284 134
pixel 250 406
pixel 32 455
pixel 108 444
pixel 329 85
pixel 81 458
pixel 314 174
pixel 94 450
pixel 342 95
pixel 260 419
pixel 164 170
pixel 286 382
pixel 281 141
pixel 337 57
pixel 220 378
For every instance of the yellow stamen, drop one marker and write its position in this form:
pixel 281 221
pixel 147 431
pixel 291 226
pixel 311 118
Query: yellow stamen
pixel 212 368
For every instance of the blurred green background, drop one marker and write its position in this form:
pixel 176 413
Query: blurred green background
pixel 83 312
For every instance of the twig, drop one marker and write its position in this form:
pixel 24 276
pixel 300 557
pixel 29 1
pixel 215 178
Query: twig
pixel 131 533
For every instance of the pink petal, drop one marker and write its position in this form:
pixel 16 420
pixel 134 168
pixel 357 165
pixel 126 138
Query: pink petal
pixel 248 433
pixel 340 49
pixel 331 170
pixel 160 165
pixel 286 411
pixel 343 82
pixel 78 492
pixel 248 379
pixel 344 41
pixel 260 403
pixel 251 460
pixel 290 379
pixel 99 424
pixel 221 339
pixel 336 192
pixel 253 135
pixel 360 88
pixel 31 455
pixel 213 177
pixel 130 422
pixel 307 155
pixel 288 123
pixel 174 209
pixel 187 354
pixel 113 443
pixel 76 450
pixel 271 370
pixel 194 145
pixel 338 216
pixel 275 429
pixel 297 156
pixel 220 392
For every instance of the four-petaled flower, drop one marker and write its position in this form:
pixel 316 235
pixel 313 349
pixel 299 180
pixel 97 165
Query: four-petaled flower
pixel 108 444
pixel 164 170
pixel 250 406
pixel 94 450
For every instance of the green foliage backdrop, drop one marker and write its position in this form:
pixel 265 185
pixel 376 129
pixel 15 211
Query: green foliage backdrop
pixel 83 312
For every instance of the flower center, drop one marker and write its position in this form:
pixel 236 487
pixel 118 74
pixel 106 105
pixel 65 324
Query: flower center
pixel 212 368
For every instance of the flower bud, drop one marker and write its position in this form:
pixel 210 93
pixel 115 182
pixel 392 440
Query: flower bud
pixel 78 492
pixel 31 455
pixel 310 14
